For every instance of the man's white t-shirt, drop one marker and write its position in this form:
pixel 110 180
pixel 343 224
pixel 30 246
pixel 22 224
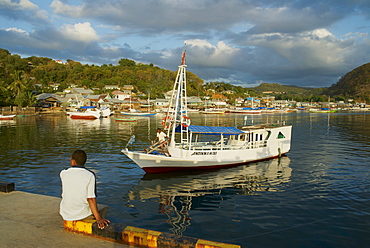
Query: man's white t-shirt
pixel 161 136
pixel 78 184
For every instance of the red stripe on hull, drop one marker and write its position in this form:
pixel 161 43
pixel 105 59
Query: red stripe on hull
pixel 90 117
pixel 155 170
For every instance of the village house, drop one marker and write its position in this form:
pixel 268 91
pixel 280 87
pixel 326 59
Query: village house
pixel 54 86
pixel 194 102
pixel 111 87
pixel 239 102
pixel 48 100
pixel 121 95
pixel 160 103
pixel 82 91
pixel 252 102
pixel 279 104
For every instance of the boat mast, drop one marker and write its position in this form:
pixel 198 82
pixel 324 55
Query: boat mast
pixel 177 111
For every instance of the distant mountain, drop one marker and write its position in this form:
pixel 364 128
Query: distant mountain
pixel 355 84
pixel 288 90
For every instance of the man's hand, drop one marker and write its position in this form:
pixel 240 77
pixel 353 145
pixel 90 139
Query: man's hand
pixel 102 223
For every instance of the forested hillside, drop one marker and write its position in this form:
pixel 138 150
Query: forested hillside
pixel 19 77
pixel 355 84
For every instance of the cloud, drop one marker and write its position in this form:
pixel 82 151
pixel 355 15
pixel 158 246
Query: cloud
pixel 79 32
pixel 68 10
pixel 237 41
pixel 23 10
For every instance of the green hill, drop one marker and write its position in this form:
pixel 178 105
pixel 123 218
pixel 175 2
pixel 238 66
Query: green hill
pixel 355 84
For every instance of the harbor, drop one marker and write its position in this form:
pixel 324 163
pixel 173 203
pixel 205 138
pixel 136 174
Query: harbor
pixel 316 193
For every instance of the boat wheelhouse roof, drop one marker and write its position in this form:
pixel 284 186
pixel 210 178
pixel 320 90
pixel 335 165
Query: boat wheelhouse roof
pixel 209 130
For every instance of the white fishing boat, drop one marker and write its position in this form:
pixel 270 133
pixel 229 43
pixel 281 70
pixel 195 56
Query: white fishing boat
pixel 7 117
pixel 105 112
pixel 212 111
pixel 247 111
pixel 191 147
pixel 134 112
pixel 86 112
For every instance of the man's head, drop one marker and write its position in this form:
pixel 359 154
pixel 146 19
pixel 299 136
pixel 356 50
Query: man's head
pixel 79 156
pixel 159 130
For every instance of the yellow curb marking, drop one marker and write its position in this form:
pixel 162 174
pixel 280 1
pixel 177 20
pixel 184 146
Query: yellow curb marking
pixel 79 226
pixel 140 236
pixel 211 244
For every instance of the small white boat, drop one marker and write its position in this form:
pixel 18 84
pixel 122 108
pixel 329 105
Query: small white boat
pixel 134 112
pixel 126 119
pixel 212 111
pixel 7 117
pixel 191 147
pixel 323 110
pixel 86 112
pixel 105 112
pixel 246 111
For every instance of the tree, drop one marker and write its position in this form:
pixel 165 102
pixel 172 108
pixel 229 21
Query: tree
pixel 126 62
pixel 18 86
pixel 28 99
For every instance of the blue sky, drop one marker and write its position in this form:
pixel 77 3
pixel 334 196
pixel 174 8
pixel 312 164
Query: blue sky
pixel 242 42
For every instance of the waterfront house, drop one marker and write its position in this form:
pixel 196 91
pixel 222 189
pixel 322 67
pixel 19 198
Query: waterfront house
pixel 47 100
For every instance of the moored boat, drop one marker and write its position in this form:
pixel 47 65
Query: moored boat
pixel 323 110
pixel 105 112
pixel 191 147
pixel 7 117
pixel 134 112
pixel 212 111
pixel 248 111
pixel 126 119
pixel 86 112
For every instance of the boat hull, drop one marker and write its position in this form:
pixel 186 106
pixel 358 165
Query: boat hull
pixel 161 164
pixel 84 117
pixel 7 117
pixel 137 114
pixel 182 159
pixel 126 120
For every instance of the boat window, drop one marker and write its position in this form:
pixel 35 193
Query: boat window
pixel 242 137
pixel 256 136
pixel 261 136
pixel 280 136
pixel 268 135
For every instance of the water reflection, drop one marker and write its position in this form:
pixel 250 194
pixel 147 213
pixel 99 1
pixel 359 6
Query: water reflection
pixel 176 192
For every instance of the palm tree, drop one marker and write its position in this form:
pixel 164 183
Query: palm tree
pixel 18 86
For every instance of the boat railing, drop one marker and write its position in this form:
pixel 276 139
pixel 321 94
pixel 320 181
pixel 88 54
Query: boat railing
pixel 223 146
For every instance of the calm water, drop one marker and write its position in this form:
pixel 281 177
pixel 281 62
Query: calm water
pixel 316 196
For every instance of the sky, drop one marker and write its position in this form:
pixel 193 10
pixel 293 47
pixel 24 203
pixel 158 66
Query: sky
pixel 308 43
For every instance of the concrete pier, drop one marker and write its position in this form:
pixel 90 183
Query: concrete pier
pixel 32 220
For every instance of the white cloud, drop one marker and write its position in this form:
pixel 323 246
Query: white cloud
pixel 79 32
pixel 17 30
pixel 25 5
pixel 204 53
pixel 64 9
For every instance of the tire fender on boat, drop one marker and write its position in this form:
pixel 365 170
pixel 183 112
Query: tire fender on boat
pixel 165 120
pixel 187 121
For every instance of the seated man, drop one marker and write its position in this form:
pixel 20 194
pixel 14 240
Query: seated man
pixel 78 192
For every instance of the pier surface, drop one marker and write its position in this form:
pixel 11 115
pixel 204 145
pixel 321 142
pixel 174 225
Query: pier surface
pixel 32 220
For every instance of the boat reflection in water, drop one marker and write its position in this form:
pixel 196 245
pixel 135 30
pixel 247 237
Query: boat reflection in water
pixel 175 192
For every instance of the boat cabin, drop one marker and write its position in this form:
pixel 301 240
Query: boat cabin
pixel 223 138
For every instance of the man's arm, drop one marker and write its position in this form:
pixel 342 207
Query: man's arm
pixel 94 209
